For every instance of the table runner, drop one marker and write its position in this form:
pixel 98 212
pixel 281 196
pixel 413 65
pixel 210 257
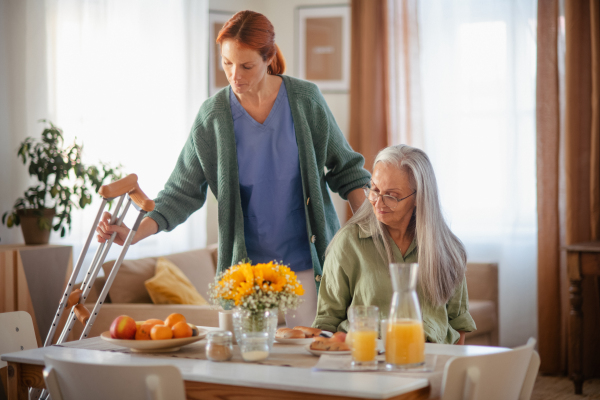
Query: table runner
pixel 282 355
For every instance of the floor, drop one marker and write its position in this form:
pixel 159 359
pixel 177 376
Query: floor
pixel 555 388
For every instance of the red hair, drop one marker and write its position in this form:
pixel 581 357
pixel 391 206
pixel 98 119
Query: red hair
pixel 256 32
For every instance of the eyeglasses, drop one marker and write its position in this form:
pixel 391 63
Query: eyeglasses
pixel 389 201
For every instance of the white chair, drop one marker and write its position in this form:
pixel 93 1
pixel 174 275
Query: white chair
pixel 16 334
pixel 72 380
pixel 508 375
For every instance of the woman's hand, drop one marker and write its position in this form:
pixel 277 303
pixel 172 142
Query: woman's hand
pixel 105 230
pixel 461 341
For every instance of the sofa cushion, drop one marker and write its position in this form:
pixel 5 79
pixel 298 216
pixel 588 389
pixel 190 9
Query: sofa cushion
pixel 171 286
pixel 128 286
pixel 484 315
pixel 197 265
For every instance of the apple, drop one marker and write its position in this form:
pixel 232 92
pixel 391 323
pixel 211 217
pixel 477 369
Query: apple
pixel 123 327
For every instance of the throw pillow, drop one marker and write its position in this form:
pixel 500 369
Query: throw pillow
pixel 171 286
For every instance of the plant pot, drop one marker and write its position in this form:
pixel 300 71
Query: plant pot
pixel 30 224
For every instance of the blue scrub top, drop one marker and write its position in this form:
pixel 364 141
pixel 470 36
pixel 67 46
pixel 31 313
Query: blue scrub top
pixel 271 186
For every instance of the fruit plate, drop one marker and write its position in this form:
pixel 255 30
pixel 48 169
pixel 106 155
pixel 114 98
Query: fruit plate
pixel 154 346
pixel 294 341
pixel 319 353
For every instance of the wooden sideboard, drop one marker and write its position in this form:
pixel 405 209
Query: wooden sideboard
pixel 583 259
pixel 42 262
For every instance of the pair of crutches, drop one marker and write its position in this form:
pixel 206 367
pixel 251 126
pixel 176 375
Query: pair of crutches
pixel 75 299
pixel 128 190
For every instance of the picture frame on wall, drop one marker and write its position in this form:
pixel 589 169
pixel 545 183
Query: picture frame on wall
pixel 217 79
pixel 323 46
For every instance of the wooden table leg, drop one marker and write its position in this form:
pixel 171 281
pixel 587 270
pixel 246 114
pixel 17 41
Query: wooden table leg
pixel 575 322
pixel 23 376
pixel 16 389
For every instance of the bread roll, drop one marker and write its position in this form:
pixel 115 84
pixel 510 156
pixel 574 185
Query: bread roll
pixel 309 332
pixel 329 345
pixel 287 333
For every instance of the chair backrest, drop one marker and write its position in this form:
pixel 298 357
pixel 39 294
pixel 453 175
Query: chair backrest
pixel 71 380
pixel 16 333
pixel 491 376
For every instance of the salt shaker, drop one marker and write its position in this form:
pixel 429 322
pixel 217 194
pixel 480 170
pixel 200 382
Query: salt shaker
pixel 218 346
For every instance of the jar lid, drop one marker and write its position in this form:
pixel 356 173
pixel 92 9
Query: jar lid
pixel 224 337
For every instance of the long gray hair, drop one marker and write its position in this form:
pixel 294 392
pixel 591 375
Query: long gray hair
pixel 442 256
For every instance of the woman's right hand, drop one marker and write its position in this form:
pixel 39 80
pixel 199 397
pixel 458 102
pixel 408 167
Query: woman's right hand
pixel 105 230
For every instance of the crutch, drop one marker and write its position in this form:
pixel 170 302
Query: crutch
pixel 75 299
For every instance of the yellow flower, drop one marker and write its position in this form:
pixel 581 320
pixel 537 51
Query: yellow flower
pixel 268 278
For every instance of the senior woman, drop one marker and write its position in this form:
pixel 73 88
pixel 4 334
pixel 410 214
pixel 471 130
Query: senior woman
pixel 268 147
pixel 402 222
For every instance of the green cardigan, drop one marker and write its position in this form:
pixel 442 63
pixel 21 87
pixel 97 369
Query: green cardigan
pixel 209 158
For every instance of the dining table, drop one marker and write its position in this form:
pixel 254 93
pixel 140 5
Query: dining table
pixel 290 372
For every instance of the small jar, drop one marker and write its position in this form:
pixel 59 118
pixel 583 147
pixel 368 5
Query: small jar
pixel 218 346
pixel 254 346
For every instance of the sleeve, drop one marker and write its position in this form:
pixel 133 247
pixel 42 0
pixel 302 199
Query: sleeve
pixel 459 317
pixel 184 192
pixel 345 171
pixel 334 296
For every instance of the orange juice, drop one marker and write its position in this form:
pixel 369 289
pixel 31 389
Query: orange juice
pixel 364 345
pixel 405 342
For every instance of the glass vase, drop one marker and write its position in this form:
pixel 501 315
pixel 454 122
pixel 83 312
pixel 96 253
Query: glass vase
pixel 247 321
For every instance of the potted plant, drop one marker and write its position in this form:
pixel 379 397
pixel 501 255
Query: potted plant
pixel 63 182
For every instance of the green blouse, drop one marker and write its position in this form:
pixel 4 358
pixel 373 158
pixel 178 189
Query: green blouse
pixel 354 273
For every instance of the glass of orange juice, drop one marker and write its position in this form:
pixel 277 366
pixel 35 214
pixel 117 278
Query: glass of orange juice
pixel 364 323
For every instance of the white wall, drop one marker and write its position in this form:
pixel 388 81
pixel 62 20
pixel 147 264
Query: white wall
pixel 23 98
pixel 282 15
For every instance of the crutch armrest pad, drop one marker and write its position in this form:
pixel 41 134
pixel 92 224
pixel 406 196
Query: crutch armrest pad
pixel 119 188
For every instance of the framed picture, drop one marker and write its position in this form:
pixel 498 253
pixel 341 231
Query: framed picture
pixel 323 46
pixel 217 79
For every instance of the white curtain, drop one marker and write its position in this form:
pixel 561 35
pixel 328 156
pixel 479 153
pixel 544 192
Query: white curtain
pixel 478 70
pixel 126 78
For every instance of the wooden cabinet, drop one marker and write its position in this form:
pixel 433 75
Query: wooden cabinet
pixel 32 279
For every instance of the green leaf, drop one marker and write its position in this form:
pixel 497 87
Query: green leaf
pixel 10 222
pixel 62 232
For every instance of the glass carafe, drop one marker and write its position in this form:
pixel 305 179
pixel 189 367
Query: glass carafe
pixel 404 339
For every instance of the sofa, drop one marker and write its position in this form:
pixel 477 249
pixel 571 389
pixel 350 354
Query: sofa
pixel 128 294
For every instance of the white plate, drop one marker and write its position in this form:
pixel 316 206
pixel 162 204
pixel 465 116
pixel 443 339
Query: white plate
pixel 319 353
pixel 154 346
pixel 294 341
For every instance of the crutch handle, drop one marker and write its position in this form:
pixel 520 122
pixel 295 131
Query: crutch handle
pixel 74 298
pixel 82 314
pixel 118 188
pixel 141 199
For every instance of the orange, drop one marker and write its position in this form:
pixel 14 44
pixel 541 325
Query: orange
pixel 154 321
pixel 181 330
pixel 173 319
pixel 161 332
pixel 143 332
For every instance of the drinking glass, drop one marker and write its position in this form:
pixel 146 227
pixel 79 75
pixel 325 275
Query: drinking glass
pixel 364 326
pixel 254 346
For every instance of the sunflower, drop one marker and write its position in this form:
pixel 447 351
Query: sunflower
pixel 268 277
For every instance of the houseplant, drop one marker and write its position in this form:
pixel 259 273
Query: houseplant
pixel 63 182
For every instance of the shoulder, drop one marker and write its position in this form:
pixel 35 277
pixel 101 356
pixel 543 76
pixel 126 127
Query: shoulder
pixel 346 242
pixel 301 90
pixel 214 107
